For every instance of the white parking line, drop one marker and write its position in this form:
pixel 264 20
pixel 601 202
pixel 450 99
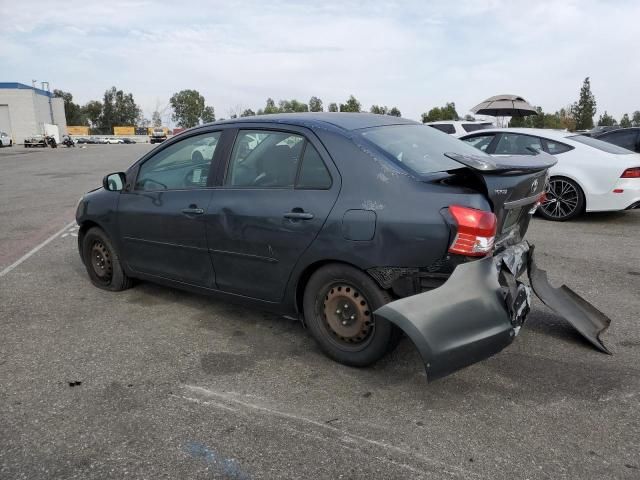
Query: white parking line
pixel 31 252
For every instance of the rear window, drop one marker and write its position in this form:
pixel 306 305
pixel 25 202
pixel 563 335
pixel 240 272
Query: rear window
pixel 418 148
pixel 600 145
pixel 474 127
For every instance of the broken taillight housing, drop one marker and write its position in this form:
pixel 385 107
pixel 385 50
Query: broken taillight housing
pixel 633 172
pixel 476 231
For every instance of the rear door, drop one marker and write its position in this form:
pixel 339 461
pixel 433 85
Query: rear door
pixel 161 214
pixel 276 193
pixel 625 138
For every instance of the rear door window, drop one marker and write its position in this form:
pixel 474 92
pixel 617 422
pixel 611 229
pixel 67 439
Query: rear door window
pixel 599 144
pixel 517 144
pixel 264 159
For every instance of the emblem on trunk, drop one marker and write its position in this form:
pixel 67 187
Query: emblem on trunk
pixel 534 185
pixel 501 191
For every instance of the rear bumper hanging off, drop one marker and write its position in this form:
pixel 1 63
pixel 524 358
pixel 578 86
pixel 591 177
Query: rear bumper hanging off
pixel 479 310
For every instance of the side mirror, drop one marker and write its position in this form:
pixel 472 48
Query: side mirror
pixel 114 182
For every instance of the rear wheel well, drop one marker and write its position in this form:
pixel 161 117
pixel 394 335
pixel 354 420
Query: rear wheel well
pixel 584 206
pixel 304 277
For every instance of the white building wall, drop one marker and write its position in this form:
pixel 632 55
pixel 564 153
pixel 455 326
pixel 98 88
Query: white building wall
pixel 21 112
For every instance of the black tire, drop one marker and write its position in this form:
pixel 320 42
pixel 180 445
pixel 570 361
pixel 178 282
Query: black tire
pixel 102 262
pixel 357 350
pixel 565 200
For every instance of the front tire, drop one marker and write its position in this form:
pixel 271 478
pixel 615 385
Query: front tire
pixel 565 200
pixel 103 262
pixel 338 304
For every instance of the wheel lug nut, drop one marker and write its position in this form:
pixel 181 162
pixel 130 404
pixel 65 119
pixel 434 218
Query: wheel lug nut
pixel 346 307
pixel 344 322
pixel 353 317
pixel 338 312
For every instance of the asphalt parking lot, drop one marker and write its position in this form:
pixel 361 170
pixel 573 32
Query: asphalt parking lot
pixel 158 383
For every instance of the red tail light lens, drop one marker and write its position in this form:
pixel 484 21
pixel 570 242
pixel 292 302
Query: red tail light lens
pixel 631 173
pixel 476 231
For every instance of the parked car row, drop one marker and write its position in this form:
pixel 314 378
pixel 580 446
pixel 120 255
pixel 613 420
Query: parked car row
pixel 103 140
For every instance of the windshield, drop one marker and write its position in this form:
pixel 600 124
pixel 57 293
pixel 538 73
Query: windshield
pixel 600 145
pixel 419 148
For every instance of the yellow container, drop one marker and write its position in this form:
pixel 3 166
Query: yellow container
pixel 77 130
pixel 124 130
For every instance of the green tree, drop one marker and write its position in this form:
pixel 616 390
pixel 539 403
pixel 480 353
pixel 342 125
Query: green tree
pixel 625 122
pixel 208 115
pixel 315 104
pixel 333 107
pixel 469 118
pixel 379 110
pixel 73 112
pixel 606 120
pixel 247 113
pixel 189 109
pixel 270 107
pixel 395 112
pixel 118 108
pixel 93 111
pixel 156 119
pixel 352 105
pixel 584 109
pixel 448 112
pixel 188 106
pixel 635 119
pixel 292 106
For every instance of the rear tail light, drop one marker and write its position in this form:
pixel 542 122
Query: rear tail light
pixel 476 231
pixel 631 173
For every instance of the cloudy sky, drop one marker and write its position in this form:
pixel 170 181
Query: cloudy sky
pixel 410 54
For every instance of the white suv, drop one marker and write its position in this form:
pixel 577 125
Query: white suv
pixel 457 128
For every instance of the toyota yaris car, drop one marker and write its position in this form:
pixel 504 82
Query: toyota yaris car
pixel 362 226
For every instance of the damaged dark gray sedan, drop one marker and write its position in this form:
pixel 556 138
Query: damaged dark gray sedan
pixel 363 226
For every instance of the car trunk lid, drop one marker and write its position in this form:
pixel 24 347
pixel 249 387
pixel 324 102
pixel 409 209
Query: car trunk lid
pixel 512 184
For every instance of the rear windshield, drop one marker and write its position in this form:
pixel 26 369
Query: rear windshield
pixel 419 148
pixel 473 127
pixel 600 145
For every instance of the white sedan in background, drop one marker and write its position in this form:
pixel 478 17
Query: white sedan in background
pixel 591 175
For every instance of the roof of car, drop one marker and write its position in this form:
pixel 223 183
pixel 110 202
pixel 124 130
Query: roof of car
pixel 459 122
pixel 344 120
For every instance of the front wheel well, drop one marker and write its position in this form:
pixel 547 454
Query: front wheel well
pixel 304 277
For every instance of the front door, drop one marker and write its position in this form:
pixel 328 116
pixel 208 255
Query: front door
pixel 277 193
pixel 161 216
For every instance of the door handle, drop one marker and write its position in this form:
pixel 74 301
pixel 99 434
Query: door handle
pixel 296 214
pixel 193 211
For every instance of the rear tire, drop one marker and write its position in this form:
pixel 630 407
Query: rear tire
pixel 565 200
pixel 103 262
pixel 338 304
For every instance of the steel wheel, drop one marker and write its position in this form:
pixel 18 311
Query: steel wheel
pixel 347 315
pixel 101 261
pixel 563 200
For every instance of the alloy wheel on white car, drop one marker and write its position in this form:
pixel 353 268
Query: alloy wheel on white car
pixel 564 200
